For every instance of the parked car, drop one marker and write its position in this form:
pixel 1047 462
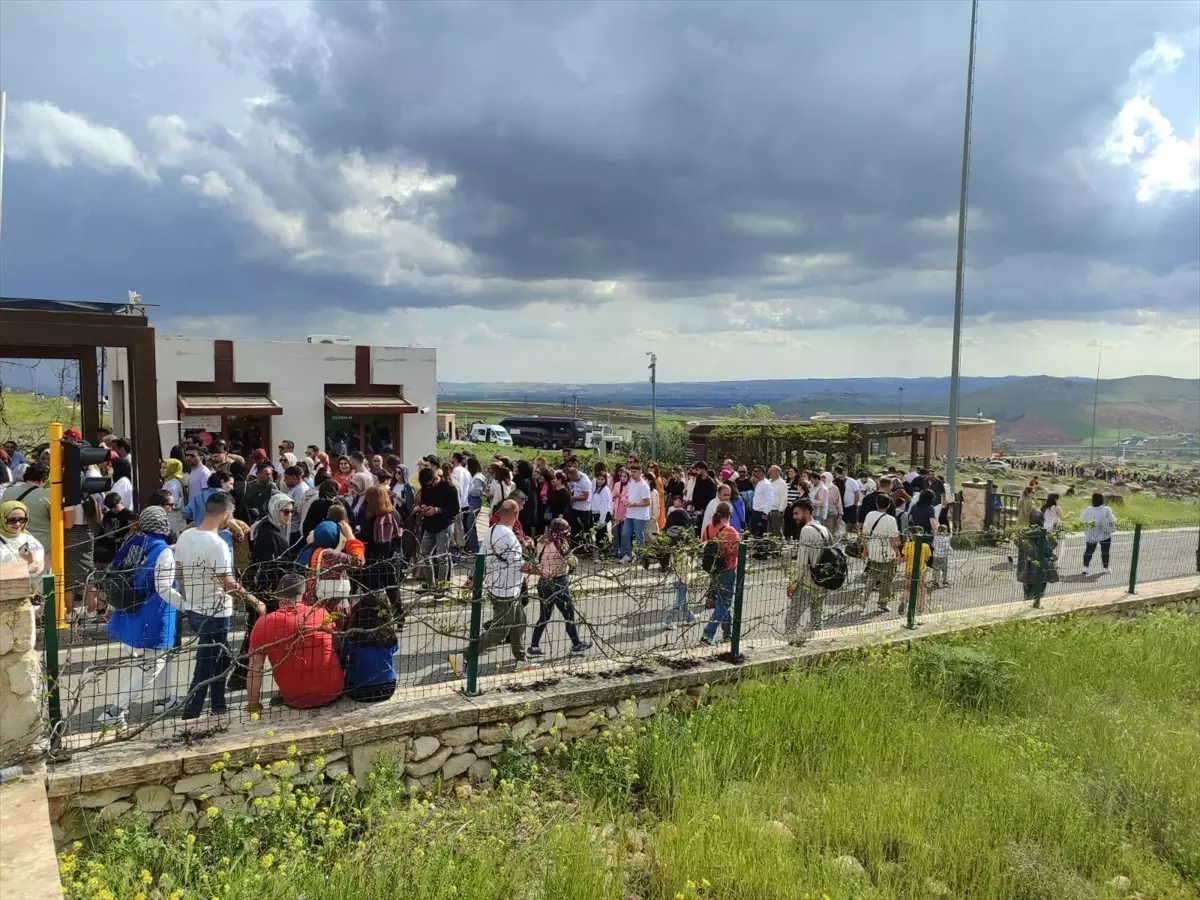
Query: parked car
pixel 998 464
pixel 491 434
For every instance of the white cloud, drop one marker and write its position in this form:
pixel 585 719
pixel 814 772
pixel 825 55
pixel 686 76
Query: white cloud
pixel 1143 138
pixel 41 131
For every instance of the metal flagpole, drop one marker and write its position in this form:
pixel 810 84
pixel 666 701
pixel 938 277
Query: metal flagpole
pixel 1 156
pixel 956 349
pixel 653 406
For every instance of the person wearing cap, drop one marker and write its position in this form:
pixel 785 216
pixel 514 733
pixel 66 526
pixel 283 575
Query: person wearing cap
pixel 299 640
pixel 151 625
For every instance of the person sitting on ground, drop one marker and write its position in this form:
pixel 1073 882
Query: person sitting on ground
pixel 299 640
pixel 368 648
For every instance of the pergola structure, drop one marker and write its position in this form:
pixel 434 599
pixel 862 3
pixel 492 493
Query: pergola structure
pixel 63 329
pixel 768 446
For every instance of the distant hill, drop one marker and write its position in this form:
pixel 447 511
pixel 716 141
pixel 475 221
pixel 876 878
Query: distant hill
pixel 1037 410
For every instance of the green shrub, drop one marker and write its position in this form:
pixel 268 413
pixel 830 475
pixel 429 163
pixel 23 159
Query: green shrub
pixel 966 676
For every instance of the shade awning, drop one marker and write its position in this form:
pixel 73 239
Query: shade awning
pixel 228 405
pixel 365 404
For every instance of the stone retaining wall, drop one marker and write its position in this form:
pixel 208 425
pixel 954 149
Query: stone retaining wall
pixel 463 754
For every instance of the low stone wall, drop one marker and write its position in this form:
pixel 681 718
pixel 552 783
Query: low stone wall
pixel 21 700
pixel 462 754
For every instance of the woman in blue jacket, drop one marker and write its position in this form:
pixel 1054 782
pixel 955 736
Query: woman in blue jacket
pixel 151 624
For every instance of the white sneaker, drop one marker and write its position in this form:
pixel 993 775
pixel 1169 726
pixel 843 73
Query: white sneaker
pixel 1106 571
pixel 1085 571
pixel 113 717
pixel 166 705
pixel 669 626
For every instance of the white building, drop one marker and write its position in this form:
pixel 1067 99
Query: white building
pixel 258 393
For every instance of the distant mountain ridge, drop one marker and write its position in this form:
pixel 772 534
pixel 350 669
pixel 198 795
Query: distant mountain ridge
pixel 1039 409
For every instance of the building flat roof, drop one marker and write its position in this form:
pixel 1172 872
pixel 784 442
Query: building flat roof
pixel 899 422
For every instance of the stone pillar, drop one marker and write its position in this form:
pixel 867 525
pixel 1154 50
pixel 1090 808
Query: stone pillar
pixel 974 506
pixel 20 667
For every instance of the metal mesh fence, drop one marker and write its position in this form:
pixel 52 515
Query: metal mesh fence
pixel 412 625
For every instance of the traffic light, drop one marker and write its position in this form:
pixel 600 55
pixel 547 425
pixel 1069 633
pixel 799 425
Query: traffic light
pixel 77 484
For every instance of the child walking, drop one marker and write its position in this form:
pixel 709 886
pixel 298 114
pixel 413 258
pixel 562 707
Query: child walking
pixel 939 564
pixel 554 565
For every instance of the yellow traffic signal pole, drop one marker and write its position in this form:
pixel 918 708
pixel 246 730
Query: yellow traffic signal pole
pixel 57 537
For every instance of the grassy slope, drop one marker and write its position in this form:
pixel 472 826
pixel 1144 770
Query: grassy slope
pixel 24 417
pixel 1088 769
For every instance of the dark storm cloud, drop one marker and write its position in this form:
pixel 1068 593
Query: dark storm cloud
pixel 618 140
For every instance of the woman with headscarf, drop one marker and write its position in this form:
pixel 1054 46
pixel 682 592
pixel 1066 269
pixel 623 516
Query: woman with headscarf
pixel 17 545
pixel 270 558
pixel 360 482
pixel 318 510
pixel 1035 557
pixel 257 458
pixel 151 625
pixel 342 473
pixel 331 554
pixel 175 484
pixel 286 461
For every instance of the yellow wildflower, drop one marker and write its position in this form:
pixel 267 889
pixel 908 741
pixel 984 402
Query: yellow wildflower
pixel 212 812
pixel 147 878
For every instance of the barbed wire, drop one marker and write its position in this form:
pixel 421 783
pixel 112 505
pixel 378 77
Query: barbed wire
pixel 620 611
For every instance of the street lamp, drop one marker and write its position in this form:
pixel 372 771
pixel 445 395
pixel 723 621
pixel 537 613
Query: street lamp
pixel 653 406
pixel 901 404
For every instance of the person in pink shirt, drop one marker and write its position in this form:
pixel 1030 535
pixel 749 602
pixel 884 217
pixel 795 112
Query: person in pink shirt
pixel 620 499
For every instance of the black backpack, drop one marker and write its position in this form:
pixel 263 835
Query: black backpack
pixel 830 569
pixel 712 560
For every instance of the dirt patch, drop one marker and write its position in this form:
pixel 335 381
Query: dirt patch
pixel 1031 431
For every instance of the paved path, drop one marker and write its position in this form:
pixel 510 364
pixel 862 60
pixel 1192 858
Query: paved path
pixel 623 607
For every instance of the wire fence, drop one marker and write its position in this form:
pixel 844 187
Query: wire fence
pixel 348 633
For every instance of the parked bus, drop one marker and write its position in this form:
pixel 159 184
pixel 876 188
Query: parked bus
pixel 548 432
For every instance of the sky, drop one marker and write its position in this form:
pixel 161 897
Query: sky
pixel 549 191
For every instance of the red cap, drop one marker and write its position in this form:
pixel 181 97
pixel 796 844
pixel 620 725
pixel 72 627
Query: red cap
pixel 73 434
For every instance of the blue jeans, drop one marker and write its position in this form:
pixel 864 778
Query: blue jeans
pixel 212 655
pixel 680 606
pixel 632 530
pixel 469 517
pixel 723 586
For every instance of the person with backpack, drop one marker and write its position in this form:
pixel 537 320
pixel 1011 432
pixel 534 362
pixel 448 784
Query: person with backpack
pixel 369 648
pixel 142 591
pixel 819 567
pixel 719 560
pixel 554 565
pixel 679 560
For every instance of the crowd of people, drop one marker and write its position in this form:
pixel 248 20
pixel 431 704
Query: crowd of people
pixel 316 549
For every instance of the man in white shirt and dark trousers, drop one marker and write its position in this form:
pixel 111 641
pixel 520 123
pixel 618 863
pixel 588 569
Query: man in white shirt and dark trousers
pixel 503 576
pixel 779 486
pixel 882 536
pixel 760 514
pixel 462 482
pixel 581 505
pixel 206 581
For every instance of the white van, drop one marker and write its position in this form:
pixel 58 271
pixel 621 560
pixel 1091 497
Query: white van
pixel 491 434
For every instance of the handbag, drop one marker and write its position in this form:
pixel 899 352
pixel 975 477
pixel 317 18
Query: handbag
pixel 859 547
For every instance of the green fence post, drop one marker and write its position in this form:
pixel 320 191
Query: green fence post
pixel 472 688
pixel 914 580
pixel 735 638
pixel 1042 548
pixel 1133 563
pixel 50 651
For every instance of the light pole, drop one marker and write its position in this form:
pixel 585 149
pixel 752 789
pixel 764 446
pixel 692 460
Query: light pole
pixel 653 406
pixel 1096 399
pixel 901 404
pixel 960 267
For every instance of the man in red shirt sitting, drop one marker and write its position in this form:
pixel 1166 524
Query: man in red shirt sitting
pixel 299 641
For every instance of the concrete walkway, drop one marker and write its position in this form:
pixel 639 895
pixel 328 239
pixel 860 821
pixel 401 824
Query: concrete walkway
pixel 28 865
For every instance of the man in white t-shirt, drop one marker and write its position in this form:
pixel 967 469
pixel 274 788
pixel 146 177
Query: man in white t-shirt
pixel 503 576
pixel 206 579
pixel 197 471
pixel 724 495
pixel 851 497
pixel 764 502
pixel 581 503
pixel 461 480
pixel 882 534
pixel 779 486
pixel 637 512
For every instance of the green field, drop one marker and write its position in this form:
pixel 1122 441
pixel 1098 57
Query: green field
pixel 1044 761
pixel 24 418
